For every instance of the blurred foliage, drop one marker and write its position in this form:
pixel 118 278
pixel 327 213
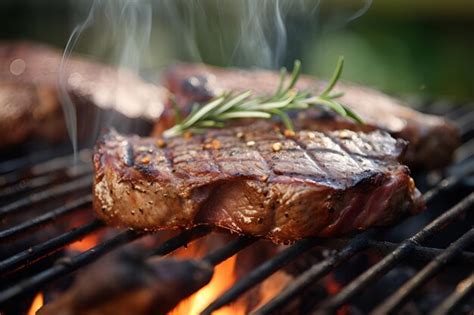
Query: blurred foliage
pixel 422 47
pixel 421 55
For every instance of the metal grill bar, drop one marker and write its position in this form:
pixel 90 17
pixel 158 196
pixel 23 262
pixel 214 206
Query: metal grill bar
pixel 37 158
pixel 47 248
pixel 465 123
pixel 51 166
pixel 60 190
pixel 61 162
pixel 181 240
pixel 261 273
pixel 404 292
pixel 229 250
pixel 320 269
pixel 67 266
pixel 418 254
pixel 462 291
pixel 465 151
pixel 45 180
pixel 50 216
pixel 377 270
pixel 443 185
pixel 314 273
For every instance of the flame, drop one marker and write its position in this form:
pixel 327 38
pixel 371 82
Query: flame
pixel 222 279
pixel 38 302
pixel 272 286
pixel 86 243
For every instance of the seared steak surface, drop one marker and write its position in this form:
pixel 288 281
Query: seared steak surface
pixel 254 181
pixel 426 134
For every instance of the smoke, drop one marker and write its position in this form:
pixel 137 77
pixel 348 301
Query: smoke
pixel 129 24
pixel 118 32
pixel 366 4
pixel 242 33
pixel 263 36
pixel 69 109
pixel 251 33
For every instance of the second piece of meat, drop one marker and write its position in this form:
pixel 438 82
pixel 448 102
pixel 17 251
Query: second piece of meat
pixel 432 140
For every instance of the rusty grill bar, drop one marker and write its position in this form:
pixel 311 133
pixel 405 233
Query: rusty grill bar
pixel 24 176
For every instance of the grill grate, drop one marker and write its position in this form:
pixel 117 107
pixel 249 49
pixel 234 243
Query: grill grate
pixel 30 181
pixel 397 255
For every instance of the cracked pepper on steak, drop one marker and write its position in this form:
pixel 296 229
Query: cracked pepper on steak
pixel 254 181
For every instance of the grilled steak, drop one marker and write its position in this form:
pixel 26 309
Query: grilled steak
pixel 425 133
pixel 29 98
pixel 26 110
pixel 254 181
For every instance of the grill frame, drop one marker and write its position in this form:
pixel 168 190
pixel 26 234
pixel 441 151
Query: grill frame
pixel 27 174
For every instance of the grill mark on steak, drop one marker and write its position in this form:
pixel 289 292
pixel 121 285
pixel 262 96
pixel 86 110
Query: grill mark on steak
pixel 212 152
pixel 239 147
pixel 312 157
pixel 292 156
pixel 191 83
pixel 343 148
pixel 335 154
pixel 277 194
pixel 270 162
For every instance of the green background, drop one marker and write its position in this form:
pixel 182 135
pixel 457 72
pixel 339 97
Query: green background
pixel 408 48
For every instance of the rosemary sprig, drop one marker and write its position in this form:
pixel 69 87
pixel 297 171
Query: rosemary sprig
pixel 244 105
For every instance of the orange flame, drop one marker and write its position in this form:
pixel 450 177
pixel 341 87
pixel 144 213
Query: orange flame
pixel 272 286
pixel 222 279
pixel 38 302
pixel 86 243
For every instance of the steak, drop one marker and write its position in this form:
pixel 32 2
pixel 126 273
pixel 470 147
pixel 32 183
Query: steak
pixel 30 103
pixel 254 181
pixel 26 110
pixel 426 134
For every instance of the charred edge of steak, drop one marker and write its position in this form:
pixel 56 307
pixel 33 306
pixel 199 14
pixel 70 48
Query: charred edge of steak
pixel 318 184
pixel 426 133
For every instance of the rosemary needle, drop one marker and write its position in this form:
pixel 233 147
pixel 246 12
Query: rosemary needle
pixel 228 106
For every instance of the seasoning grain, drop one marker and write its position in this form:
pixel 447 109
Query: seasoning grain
pixel 146 160
pixel 214 144
pixel 289 133
pixel 276 146
pixel 160 143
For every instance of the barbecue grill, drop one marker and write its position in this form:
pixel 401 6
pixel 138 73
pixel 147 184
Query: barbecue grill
pixel 436 241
